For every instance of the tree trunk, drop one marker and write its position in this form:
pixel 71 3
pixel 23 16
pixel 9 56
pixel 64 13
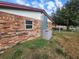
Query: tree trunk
pixel 68 25
pixel 68 28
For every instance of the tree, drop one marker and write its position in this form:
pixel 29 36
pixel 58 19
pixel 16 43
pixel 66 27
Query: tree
pixel 68 15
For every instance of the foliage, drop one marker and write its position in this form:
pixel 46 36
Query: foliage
pixel 68 15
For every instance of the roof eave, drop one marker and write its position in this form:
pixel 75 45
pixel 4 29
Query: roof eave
pixel 16 6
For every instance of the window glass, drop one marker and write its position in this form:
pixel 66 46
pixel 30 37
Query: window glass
pixel 28 24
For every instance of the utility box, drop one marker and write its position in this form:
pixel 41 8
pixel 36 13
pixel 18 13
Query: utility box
pixel 47 34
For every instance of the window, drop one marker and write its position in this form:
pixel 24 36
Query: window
pixel 28 24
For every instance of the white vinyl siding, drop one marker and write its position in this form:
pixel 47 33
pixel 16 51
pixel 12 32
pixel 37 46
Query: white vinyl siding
pixel 31 14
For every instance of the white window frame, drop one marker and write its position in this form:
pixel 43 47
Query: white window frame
pixel 28 24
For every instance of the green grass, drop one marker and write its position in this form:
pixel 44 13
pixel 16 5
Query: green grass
pixel 36 43
pixel 17 51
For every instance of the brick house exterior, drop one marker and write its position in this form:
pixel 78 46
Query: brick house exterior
pixel 19 23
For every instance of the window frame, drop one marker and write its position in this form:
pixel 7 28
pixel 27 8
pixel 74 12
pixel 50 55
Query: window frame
pixel 28 24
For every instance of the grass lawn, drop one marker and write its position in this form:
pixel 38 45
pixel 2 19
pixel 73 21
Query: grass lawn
pixel 63 45
pixel 69 41
pixel 26 47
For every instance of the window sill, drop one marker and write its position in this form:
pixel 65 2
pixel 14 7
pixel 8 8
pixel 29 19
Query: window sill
pixel 28 29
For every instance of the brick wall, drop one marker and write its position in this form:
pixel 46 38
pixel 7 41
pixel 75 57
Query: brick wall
pixel 12 29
